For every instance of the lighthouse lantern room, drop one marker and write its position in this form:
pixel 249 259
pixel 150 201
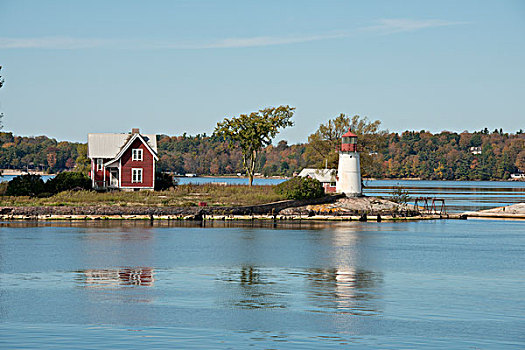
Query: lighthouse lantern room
pixel 349 168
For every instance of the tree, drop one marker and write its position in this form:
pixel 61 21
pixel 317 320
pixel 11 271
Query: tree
pixel 68 180
pixel 253 132
pixel 82 162
pixel 324 144
pixel 25 185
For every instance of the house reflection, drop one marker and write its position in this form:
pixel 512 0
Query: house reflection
pixel 138 276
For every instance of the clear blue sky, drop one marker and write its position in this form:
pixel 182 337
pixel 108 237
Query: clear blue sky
pixel 74 67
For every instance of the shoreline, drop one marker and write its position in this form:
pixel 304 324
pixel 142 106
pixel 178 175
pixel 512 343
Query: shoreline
pixel 228 218
pixel 18 172
pixel 327 208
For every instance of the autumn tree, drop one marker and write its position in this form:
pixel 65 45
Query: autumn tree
pixel 253 132
pixel 323 145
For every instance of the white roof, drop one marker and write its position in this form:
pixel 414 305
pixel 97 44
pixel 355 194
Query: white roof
pixel 109 145
pixel 322 175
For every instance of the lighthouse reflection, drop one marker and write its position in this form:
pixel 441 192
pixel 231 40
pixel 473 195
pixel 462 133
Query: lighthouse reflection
pixel 344 290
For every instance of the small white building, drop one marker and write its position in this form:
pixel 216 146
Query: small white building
pixel 517 176
pixel 327 177
pixel 475 150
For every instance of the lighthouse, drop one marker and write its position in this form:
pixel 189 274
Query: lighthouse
pixel 349 169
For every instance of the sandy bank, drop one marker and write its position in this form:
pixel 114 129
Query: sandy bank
pixel 515 211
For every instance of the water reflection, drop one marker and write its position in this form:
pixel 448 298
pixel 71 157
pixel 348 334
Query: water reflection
pixel 256 288
pixel 345 290
pixel 350 291
pixel 139 276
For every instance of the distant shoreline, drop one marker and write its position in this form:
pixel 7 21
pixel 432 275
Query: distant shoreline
pixel 16 172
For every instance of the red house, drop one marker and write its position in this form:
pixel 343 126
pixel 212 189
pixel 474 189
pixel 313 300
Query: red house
pixel 123 161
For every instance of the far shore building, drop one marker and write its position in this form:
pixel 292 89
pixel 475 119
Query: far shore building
pixel 123 161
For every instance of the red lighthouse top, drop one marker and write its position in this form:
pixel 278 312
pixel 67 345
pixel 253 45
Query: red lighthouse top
pixel 349 142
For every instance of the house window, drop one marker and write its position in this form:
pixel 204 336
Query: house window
pixel 100 164
pixel 136 175
pixel 136 154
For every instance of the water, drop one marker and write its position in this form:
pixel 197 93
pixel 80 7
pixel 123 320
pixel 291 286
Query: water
pixel 7 178
pixel 228 180
pixel 459 196
pixel 431 284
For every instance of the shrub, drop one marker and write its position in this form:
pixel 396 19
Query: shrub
pixel 400 196
pixel 25 185
pixel 68 180
pixel 300 188
pixel 164 181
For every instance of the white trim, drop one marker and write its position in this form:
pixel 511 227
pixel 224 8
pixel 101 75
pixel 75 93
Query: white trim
pixel 129 143
pixel 132 187
pixel 119 173
pixel 140 179
pixel 137 154
pixel 153 174
pixel 112 178
pixel 100 163
pixel 92 173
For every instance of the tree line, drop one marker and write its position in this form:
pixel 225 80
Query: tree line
pixel 411 154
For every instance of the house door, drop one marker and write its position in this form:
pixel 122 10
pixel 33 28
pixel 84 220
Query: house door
pixel 113 178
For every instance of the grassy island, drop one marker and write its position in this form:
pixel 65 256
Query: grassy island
pixel 180 196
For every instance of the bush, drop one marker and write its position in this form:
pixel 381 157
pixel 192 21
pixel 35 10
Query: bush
pixel 300 188
pixel 400 196
pixel 68 180
pixel 164 181
pixel 25 185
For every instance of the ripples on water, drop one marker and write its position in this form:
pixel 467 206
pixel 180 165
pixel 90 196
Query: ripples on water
pixel 441 284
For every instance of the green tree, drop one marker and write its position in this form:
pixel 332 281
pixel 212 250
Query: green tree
pixel 253 132
pixel 25 185
pixel 68 180
pixel 82 162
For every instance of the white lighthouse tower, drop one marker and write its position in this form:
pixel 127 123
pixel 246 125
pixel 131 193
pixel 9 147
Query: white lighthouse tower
pixel 349 169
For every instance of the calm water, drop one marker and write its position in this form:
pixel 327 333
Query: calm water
pixel 433 284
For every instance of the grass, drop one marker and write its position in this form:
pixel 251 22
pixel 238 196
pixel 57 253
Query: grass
pixel 182 195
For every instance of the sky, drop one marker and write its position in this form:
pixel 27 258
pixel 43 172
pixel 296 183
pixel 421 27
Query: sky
pixel 173 67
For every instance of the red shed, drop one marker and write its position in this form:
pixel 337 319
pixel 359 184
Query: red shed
pixel 123 161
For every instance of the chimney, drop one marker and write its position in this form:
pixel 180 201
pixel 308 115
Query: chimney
pixel 135 131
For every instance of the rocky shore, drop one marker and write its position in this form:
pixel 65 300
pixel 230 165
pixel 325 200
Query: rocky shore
pixel 328 208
